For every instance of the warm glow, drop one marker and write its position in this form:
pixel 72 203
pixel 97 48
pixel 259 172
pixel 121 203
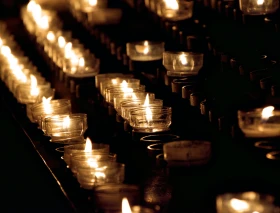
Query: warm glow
pixel 82 62
pixel 88 146
pixel 267 112
pixel 114 81
pixel 47 105
pixel 5 50
pixel 172 4
pixel 147 101
pixel 260 2
pixel 34 90
pixel 43 22
pixel 1 42
pixel 61 41
pixel 146 49
pixel 239 205
pixel 143 48
pixel 183 59
pixel 51 36
pixel 66 122
pixel 125 206
pixel 124 84
pixel 149 114
pixel 92 2
pixel 31 5
pixel 68 47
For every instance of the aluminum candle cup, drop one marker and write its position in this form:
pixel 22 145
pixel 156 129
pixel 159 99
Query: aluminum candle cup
pixel 258 7
pixel 145 50
pixel 62 128
pixel 78 159
pixel 100 173
pixel 117 82
pixel 111 92
pixel 120 98
pixel 80 149
pixel 109 197
pixel 175 10
pixel 255 124
pixel 59 106
pixel 182 64
pixel 151 119
pixel 187 153
pixel 245 202
pixel 128 106
pixel 109 76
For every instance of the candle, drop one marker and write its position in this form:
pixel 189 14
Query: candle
pixel 135 209
pixel 182 63
pixel 145 50
pixel 260 123
pixel 258 7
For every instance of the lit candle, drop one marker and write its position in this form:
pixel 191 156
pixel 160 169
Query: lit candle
pixel 34 90
pixel 47 106
pixel 125 206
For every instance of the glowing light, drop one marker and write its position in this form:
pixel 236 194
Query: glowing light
pixel 267 112
pixel 46 105
pixel 51 36
pixel 5 50
pixel 66 122
pixel 88 146
pixel 260 2
pixel 239 205
pixel 125 206
pixel 34 90
pixel 92 2
pixel 61 42
pixel 183 59
pixel 82 62
pixel 172 4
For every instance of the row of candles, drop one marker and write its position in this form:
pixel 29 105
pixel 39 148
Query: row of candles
pixel 67 53
pixel 91 163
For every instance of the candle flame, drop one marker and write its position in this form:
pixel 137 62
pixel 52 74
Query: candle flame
pixel 124 84
pixel 61 41
pixel 68 47
pixel 147 101
pixel 149 114
pixel 47 105
pixel 88 146
pixel 267 112
pixel 172 4
pixel 66 122
pixel 1 42
pixel 34 90
pixel 92 2
pixel 146 49
pixel 5 50
pixel 114 81
pixel 31 5
pixel 183 59
pixel 51 36
pixel 239 205
pixel 125 206
pixel 260 2
pixel 43 22
pixel 82 62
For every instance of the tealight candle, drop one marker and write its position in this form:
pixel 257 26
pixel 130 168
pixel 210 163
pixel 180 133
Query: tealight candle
pixel 108 76
pixel 258 7
pixel 245 202
pixel 145 50
pixel 135 209
pixel 182 63
pixel 63 128
pixel 151 119
pixel 260 123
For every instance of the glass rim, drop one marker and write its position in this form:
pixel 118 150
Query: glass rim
pixel 119 88
pixel 142 43
pixel 257 111
pixel 65 102
pixel 164 110
pixel 110 188
pixel 131 102
pixel 163 135
pixel 175 53
pixel 84 144
pixel 111 164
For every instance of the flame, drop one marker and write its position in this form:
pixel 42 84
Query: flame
pixel 267 112
pixel 146 49
pixel 114 81
pixel 147 101
pixel 124 84
pixel 239 205
pixel 183 59
pixel 31 5
pixel 66 122
pixel 61 41
pixel 5 50
pixel 149 113
pixel 43 22
pixel 92 2
pixel 125 206
pixel 47 105
pixel 82 62
pixel 68 47
pixel 260 2
pixel 34 90
pixel 172 4
pixel 51 36
pixel 88 146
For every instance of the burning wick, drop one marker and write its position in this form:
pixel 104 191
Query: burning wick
pixel 267 112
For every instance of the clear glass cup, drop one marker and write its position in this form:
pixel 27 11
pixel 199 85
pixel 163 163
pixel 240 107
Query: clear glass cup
pixel 145 50
pixel 155 119
pixel 108 76
pixel 258 7
pixel 101 173
pixel 182 63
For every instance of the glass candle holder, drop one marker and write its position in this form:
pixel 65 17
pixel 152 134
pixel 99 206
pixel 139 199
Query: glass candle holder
pixel 120 98
pixel 100 173
pixel 175 10
pixel 80 149
pixel 109 197
pixel 145 50
pixel 117 82
pixel 260 123
pixel 111 92
pixel 182 63
pixel 25 96
pixel 258 7
pixel 128 106
pixel 88 6
pixel 62 128
pixel 155 149
pixel 187 153
pixel 245 202
pixel 163 138
pixel 107 76
pixel 89 158
pixel 104 16
pixel 151 119
pixel 53 107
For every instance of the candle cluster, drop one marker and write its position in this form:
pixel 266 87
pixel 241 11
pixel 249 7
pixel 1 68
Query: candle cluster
pixel 173 10
pixel 67 53
pixel 18 73
pixel 139 109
